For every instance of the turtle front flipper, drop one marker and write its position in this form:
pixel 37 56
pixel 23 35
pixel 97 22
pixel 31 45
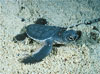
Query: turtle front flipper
pixel 40 54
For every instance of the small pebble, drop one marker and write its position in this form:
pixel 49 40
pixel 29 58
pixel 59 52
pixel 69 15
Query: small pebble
pixel 22 19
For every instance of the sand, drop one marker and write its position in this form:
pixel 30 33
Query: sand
pixel 81 57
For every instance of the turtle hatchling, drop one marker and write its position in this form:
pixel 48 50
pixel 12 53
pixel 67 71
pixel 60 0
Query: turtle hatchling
pixel 47 34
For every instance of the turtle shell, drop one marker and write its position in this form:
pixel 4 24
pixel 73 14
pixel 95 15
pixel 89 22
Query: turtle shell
pixel 41 32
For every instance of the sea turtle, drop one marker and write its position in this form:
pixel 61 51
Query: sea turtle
pixel 47 34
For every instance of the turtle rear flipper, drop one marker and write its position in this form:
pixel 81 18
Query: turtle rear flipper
pixel 41 21
pixel 40 54
pixel 20 37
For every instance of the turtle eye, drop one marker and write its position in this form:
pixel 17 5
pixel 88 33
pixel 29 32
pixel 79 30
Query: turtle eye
pixel 71 38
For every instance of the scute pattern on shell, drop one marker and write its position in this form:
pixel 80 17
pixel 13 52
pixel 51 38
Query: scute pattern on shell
pixel 41 32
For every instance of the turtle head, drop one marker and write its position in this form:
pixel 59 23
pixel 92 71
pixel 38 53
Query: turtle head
pixel 71 35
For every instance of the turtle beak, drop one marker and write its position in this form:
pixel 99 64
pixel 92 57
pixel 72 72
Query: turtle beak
pixel 79 33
